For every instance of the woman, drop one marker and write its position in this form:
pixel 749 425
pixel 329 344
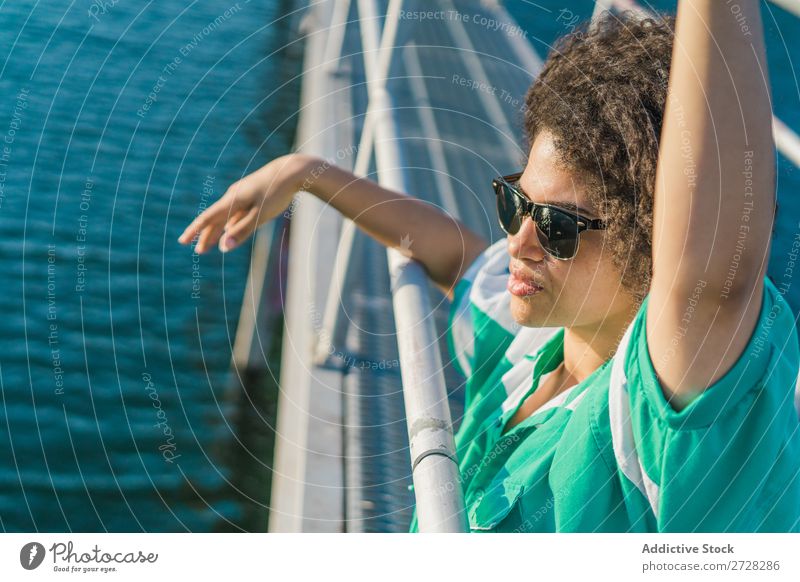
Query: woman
pixel 651 387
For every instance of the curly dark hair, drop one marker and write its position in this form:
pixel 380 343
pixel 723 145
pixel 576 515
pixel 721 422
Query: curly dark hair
pixel 601 95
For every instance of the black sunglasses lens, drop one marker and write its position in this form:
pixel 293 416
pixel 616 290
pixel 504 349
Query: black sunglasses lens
pixel 557 232
pixel 508 209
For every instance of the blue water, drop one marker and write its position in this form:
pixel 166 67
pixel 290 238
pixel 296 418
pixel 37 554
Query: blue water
pixel 117 404
pixel 121 120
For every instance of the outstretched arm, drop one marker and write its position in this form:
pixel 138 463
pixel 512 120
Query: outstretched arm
pixel 714 198
pixel 443 245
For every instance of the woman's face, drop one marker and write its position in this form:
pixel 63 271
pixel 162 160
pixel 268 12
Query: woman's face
pixel 580 292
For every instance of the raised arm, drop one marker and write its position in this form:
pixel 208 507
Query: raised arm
pixel 714 198
pixel 443 245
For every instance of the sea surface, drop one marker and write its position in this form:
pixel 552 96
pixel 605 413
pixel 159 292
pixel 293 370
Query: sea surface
pixel 120 121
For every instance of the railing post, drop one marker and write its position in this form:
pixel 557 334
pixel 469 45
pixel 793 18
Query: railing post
pixel 335 40
pixel 377 68
pixel 437 481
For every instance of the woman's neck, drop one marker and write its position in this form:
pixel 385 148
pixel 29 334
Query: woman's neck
pixel 588 348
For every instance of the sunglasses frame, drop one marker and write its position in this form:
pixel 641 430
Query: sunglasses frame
pixel 528 207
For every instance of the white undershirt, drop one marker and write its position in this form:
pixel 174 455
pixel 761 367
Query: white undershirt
pixel 514 399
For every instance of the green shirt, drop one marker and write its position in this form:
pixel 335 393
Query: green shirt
pixel 610 454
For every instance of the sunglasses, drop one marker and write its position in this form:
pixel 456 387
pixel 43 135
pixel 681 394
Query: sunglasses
pixel 558 230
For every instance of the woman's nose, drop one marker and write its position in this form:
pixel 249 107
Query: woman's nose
pixel 525 244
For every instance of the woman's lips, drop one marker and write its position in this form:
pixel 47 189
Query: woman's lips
pixel 522 287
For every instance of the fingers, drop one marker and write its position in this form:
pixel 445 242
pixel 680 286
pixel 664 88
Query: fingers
pixel 211 223
pixel 233 214
pixel 212 215
pixel 236 217
pixel 212 234
pixel 191 231
pixel 240 231
pixel 209 236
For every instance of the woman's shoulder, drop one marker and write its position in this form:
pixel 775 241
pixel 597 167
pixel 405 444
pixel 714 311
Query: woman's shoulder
pixel 770 359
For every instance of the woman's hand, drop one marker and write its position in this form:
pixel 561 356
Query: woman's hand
pixel 247 204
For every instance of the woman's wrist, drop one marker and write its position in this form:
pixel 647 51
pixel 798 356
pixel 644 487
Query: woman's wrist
pixel 302 170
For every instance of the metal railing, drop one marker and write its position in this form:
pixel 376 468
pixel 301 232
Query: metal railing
pixel 435 473
pixel 792 6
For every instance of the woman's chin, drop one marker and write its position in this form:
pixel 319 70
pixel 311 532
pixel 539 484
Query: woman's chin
pixel 533 313
pixel 523 312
